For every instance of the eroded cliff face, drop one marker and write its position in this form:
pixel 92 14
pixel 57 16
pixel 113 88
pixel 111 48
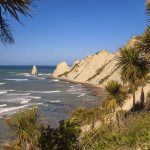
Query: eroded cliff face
pixel 97 69
pixel 61 69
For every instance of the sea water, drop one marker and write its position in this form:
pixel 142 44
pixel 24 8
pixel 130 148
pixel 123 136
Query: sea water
pixel 55 99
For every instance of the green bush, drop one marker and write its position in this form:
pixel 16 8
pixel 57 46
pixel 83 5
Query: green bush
pixel 65 137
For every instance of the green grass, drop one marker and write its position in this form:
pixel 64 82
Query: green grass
pixel 127 133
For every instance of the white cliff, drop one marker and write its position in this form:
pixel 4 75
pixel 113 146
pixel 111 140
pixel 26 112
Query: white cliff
pixel 97 69
pixel 61 69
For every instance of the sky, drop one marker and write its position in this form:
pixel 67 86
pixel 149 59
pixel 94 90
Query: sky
pixel 65 30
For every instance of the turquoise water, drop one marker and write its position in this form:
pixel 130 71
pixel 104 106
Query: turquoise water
pixel 55 99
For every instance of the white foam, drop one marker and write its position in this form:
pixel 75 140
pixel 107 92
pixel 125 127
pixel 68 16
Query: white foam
pixel 3 91
pixel 82 94
pixel 12 110
pixel 24 74
pixel 37 97
pixel 20 100
pixel 44 74
pixel 72 86
pixel 18 94
pixel 45 92
pixel 4 110
pixel 25 101
pixel 74 89
pixel 55 101
pixel 16 79
pixel 55 80
pixel 10 90
pixel 3 105
pixel 2 83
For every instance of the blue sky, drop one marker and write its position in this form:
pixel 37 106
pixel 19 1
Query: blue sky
pixel 69 29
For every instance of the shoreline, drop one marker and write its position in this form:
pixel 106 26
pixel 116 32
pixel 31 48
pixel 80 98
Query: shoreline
pixel 95 91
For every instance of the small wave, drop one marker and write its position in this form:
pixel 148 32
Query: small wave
pixel 72 86
pixel 3 91
pixel 73 90
pixel 44 74
pixel 20 100
pixel 55 101
pixel 13 110
pixel 37 97
pixel 24 74
pixel 19 94
pixel 55 80
pixel 10 90
pixel 45 92
pixel 5 110
pixel 41 78
pixel 25 101
pixel 2 83
pixel 17 79
pixel 3 105
pixel 82 94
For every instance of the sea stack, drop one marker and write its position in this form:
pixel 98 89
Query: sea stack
pixel 34 71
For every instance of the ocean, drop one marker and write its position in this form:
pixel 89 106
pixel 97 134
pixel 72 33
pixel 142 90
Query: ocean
pixel 55 99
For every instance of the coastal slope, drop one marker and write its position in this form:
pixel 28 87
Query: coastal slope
pixel 97 70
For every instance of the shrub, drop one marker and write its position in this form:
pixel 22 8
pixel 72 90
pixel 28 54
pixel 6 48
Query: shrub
pixel 65 137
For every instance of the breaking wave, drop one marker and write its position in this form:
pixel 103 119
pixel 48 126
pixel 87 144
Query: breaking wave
pixel 45 92
pixel 2 83
pixel 17 79
pixel 82 95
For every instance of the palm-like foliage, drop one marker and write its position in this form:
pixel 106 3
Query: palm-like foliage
pixel 115 96
pixel 148 8
pixel 25 127
pixel 133 65
pixel 143 42
pixel 13 8
pixel 5 33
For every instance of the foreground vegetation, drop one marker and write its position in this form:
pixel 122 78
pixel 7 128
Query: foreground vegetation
pixel 128 132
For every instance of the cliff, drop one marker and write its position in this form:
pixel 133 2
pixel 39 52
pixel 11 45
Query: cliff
pixel 61 69
pixel 97 69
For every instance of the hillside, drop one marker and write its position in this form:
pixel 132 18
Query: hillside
pixel 97 69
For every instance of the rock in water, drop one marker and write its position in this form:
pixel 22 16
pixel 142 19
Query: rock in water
pixel 34 70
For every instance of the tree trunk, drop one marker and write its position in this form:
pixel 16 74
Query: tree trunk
pixel 115 113
pixel 133 88
pixel 142 94
pixel 25 145
pixel 92 124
